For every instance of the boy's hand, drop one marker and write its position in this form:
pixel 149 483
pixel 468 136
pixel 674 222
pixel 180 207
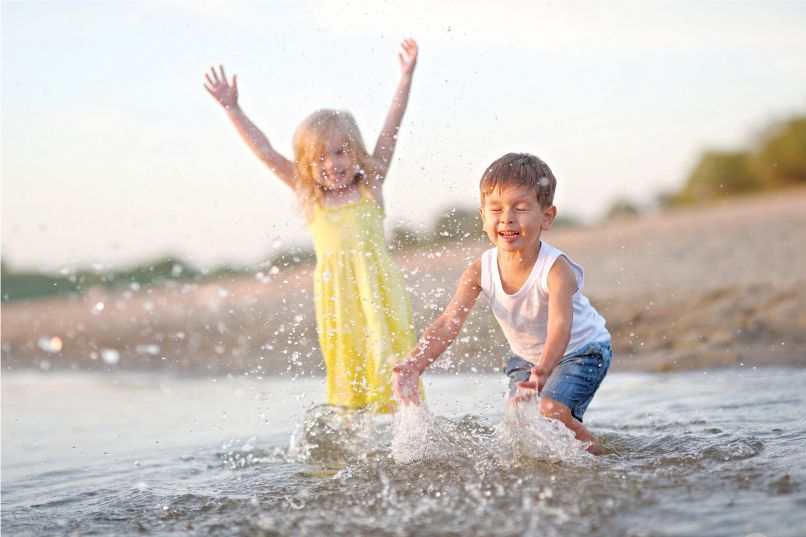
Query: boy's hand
pixel 532 387
pixel 408 56
pixel 220 89
pixel 406 384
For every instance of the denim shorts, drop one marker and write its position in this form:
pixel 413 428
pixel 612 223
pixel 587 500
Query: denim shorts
pixel 575 379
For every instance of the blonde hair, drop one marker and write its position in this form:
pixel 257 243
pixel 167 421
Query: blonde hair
pixel 520 170
pixel 320 129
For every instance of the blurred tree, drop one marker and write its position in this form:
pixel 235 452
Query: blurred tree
pixel 161 270
pixel 404 237
pixel 565 220
pixel 293 256
pixel 781 156
pixel 458 224
pixel 622 208
pixel 664 200
pixel 716 175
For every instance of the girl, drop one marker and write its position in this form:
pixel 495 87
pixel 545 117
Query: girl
pixel 363 314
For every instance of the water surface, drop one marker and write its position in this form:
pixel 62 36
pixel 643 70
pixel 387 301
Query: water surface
pixel 713 453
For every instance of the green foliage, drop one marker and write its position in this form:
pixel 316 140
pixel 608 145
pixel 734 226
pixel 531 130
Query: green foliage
pixel 781 156
pixel 622 208
pixel 564 220
pixel 777 160
pixel 458 224
pixel 664 200
pixel 293 256
pixel 404 237
pixel 159 271
pixel 716 175
pixel 31 284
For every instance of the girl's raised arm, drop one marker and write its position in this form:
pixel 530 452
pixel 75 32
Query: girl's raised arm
pixel 227 96
pixel 385 147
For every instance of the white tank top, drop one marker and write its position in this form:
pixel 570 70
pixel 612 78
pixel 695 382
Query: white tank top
pixel 523 316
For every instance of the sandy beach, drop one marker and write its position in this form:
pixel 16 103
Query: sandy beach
pixel 696 288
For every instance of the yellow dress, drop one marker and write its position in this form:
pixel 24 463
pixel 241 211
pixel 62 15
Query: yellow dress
pixel 363 313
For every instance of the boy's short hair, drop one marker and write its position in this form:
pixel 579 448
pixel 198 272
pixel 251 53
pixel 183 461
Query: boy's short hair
pixel 520 170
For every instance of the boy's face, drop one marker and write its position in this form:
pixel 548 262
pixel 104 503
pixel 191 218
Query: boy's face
pixel 513 218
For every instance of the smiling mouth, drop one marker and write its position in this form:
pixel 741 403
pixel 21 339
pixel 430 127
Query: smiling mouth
pixel 335 175
pixel 509 235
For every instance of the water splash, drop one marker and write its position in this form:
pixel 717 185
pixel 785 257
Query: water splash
pixel 419 435
pixel 525 432
pixel 334 436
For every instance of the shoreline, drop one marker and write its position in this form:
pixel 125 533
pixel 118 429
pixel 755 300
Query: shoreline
pixel 692 288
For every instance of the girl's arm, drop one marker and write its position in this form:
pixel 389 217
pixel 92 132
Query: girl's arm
pixel 385 146
pixel 227 96
pixel 438 336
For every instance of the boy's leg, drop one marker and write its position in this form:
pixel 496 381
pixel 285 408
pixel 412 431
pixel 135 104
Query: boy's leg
pixel 556 410
pixel 572 385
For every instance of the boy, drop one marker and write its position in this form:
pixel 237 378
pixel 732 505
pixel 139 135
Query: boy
pixel 561 348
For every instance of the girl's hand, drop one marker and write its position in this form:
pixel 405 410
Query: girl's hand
pixel 224 93
pixel 408 56
pixel 406 384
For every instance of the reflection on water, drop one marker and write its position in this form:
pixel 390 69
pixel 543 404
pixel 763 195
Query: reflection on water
pixel 685 454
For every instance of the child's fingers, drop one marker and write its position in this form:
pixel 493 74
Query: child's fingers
pixel 408 395
pixel 411 400
pixel 522 395
pixel 223 76
pixel 215 75
pixel 235 81
pixel 210 81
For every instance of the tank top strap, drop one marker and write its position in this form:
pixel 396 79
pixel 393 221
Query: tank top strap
pixel 549 255
pixel 487 259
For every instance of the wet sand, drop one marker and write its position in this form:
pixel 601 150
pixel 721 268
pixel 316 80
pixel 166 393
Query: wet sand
pixel 694 288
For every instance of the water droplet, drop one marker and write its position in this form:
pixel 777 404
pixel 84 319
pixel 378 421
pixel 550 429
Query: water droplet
pixel 50 344
pixel 110 356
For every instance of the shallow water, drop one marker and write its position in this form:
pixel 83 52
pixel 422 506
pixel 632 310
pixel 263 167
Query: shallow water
pixel 716 453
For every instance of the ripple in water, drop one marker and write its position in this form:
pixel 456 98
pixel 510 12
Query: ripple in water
pixel 673 472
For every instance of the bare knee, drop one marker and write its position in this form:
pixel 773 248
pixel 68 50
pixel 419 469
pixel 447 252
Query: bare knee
pixel 553 409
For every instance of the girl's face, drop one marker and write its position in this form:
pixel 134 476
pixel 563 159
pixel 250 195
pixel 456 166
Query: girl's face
pixel 336 168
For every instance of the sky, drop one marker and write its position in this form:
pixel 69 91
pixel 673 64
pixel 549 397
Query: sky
pixel 112 153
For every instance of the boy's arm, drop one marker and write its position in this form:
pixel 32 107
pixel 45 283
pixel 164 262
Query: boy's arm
pixel 438 336
pixel 227 96
pixel 385 146
pixel 562 285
